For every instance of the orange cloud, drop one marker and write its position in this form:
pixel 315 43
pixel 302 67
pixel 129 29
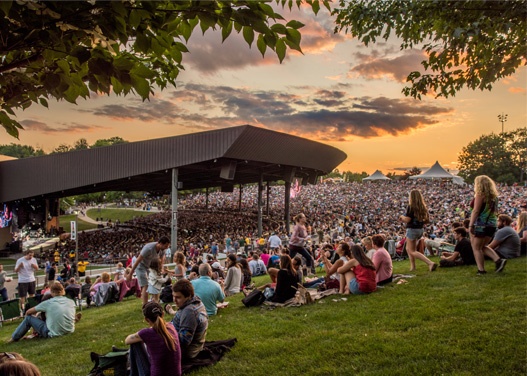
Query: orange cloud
pixel 517 90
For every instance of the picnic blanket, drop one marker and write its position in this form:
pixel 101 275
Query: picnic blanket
pixel 303 296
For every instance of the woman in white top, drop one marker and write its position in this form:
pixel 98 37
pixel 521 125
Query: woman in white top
pixel 234 276
pixel 332 277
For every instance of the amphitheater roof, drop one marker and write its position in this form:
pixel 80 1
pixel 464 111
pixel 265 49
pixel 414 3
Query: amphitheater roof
pixel 241 155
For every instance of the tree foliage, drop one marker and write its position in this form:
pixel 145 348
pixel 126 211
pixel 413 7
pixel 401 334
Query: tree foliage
pixel 108 142
pixel 499 156
pixel 469 43
pixel 67 49
pixel 411 172
pixel 20 151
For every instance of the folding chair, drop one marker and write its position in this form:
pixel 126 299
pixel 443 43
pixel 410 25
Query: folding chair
pixel 9 310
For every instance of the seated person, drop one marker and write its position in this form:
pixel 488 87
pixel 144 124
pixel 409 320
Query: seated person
pixel 104 290
pixel 60 316
pixel 359 273
pixel 506 242
pixel 73 289
pixel 382 261
pixel 13 363
pixel 286 281
pixel 257 266
pixel 246 274
pixel 274 260
pixel 190 320
pixel 207 290
pixel 233 280
pixel 162 356
pixel 462 255
pixel 332 278
pixel 85 291
pixel 119 272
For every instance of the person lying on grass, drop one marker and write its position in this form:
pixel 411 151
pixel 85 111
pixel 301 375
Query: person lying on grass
pixel 190 320
pixel 60 316
pixel 359 273
pixel 162 356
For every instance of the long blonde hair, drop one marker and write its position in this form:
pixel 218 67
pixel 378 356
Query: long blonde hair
pixel 485 186
pixel 418 206
pixel 522 221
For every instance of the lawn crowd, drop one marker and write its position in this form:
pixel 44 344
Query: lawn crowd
pixel 351 231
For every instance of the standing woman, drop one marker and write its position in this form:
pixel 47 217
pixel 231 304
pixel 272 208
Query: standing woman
pixel 522 232
pixel 233 280
pixel 483 222
pixel 163 355
pixel 415 218
pixel 298 239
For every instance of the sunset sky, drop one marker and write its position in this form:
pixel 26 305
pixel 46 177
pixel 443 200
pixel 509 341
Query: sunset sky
pixel 339 92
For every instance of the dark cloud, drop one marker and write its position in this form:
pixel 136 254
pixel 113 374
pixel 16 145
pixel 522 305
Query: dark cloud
pixel 374 67
pixel 148 111
pixel 38 126
pixel 319 114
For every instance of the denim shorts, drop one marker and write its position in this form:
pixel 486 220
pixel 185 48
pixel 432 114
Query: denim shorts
pixel 354 287
pixel 414 233
pixel 142 275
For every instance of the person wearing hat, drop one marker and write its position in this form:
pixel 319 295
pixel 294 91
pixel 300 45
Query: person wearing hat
pixel 60 316
pixel 162 356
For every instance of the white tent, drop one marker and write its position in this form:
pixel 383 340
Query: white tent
pixel 438 172
pixel 377 175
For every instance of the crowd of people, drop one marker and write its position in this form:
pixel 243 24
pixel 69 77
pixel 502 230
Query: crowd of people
pixel 345 228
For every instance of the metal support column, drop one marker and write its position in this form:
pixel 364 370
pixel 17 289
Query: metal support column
pixel 260 206
pixel 287 199
pixel 173 232
pixel 268 191
pixel 240 199
pixel 207 198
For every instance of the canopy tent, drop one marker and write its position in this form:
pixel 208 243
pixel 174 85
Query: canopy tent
pixel 438 172
pixel 377 175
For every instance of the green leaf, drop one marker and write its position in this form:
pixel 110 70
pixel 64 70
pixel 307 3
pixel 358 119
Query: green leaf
pixel 64 66
pixel 142 71
pixel 135 18
pixel 248 35
pixel 295 24
pixel 142 43
pixel 226 31
pixel 141 86
pixel 116 85
pixel 260 43
pixel 279 28
pixel 294 36
pixel 280 49
pixel 5 6
pixel 43 102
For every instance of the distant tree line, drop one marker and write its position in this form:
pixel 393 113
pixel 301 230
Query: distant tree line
pixel 26 151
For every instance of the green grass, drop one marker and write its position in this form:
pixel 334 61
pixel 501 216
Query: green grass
pixel 122 215
pixel 449 322
pixel 65 222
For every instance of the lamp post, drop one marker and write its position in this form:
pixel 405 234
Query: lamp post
pixel 502 119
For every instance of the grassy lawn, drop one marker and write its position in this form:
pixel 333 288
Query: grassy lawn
pixel 449 322
pixel 122 215
pixel 65 222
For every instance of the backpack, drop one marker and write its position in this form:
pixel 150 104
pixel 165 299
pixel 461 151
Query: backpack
pixel 166 294
pixel 114 363
pixel 254 298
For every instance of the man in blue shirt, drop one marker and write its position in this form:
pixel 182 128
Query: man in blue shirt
pixel 209 291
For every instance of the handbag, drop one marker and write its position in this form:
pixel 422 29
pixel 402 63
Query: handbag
pixel 254 299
